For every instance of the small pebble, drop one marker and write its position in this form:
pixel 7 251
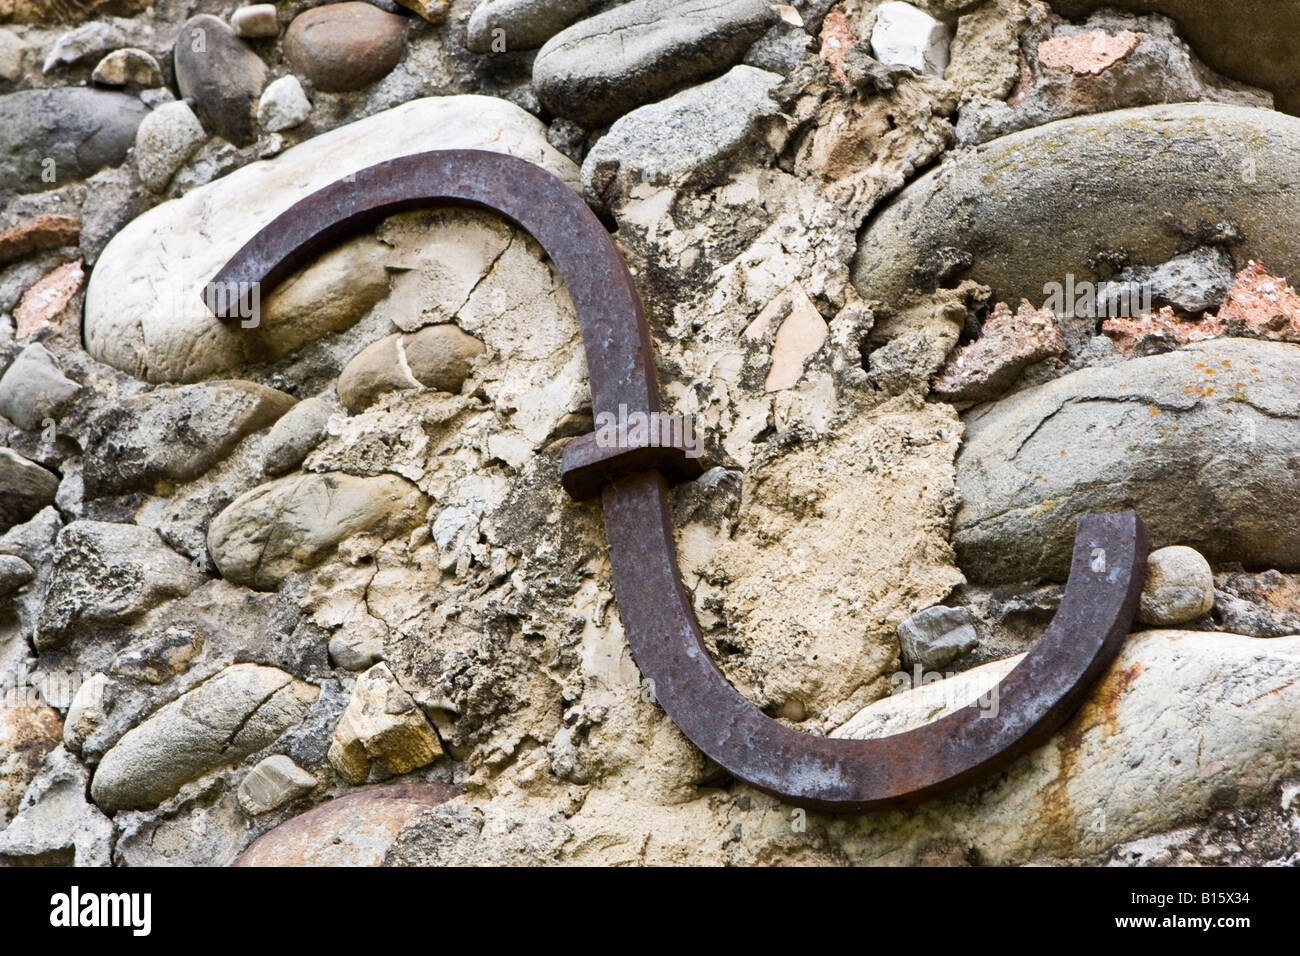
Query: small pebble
pixel 166 139
pixel 1179 587
pixel 255 22
pixel 283 105
pixel 127 67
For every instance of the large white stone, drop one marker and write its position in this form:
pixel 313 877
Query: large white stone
pixel 144 311
pixel 906 36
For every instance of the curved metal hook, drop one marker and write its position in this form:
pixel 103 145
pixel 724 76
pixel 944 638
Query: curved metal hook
pixel 825 773
pixel 614 329
pixel 1033 701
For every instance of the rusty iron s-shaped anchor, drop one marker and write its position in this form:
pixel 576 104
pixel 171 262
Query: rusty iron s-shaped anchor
pixel 1035 699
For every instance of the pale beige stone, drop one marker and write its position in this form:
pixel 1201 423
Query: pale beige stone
pixel 435 11
pixel 292 523
pixel 381 724
pixel 802 331
pixel 273 783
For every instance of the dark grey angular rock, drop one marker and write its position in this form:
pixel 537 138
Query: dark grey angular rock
pixel 175 434
pixel 780 49
pixel 1266 604
pixel 49 138
pixel 25 488
pixel 222 75
pixel 1196 282
pixel 936 637
pixel 639 52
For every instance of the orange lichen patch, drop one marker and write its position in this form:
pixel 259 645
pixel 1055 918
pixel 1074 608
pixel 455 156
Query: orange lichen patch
pixel 1087 54
pixel 1262 305
pixel 836 38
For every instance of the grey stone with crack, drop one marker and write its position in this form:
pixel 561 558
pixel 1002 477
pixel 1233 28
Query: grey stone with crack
pixel 997 215
pixel 239 711
pixel 1201 442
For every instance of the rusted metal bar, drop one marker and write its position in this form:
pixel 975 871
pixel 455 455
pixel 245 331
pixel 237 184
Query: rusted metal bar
pixel 620 358
pixel 831 774
pixel 1034 700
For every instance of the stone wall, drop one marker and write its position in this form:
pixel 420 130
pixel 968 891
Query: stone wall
pixel 309 591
